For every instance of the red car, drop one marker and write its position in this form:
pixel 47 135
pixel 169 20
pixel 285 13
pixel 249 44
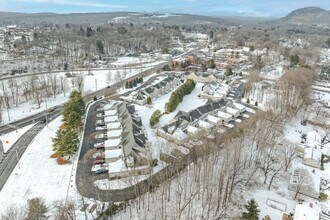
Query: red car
pixel 99 162
pixel 99 158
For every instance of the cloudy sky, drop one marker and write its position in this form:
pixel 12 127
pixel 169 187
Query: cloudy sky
pixel 263 8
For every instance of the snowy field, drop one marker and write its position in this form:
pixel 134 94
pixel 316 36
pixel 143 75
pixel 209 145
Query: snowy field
pixel 122 61
pixel 38 175
pixel 9 139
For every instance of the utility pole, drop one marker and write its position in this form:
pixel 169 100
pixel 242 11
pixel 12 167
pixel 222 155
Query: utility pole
pixel 8 114
pixel 95 84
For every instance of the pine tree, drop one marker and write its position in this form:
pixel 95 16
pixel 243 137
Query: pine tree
pixel 126 85
pixel 252 210
pixel 36 209
pixel 149 101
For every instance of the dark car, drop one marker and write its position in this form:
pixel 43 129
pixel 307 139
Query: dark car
pixel 101 171
pixel 43 121
pixel 99 162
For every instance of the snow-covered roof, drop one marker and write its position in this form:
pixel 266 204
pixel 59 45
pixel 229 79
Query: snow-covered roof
pixel 315 175
pixel 239 106
pixel 213 119
pixel 307 211
pixel 108 106
pixel 312 153
pixel 313 139
pixel 112 142
pixel 113 125
pixel 204 124
pixel 113 153
pixel 192 129
pixel 110 113
pixel 118 166
pixel 179 134
pixel 232 111
pixel 114 133
pixel 223 115
pixel 109 119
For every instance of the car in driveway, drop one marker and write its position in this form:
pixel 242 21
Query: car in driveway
pixel 98 155
pixel 100 136
pixel 101 171
pixel 99 167
pixel 100 109
pixel 99 122
pixel 99 128
pixel 99 115
pixel 98 147
pixel 99 162
pixel 99 143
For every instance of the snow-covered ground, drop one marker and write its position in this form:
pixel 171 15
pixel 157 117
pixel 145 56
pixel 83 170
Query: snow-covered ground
pixel 106 184
pixel 189 102
pixel 122 61
pixel 9 139
pixel 39 175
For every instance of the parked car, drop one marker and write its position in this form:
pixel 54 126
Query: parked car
pixel 99 167
pixel 100 171
pixel 43 121
pixel 98 143
pixel 100 109
pixel 99 123
pixel 99 128
pixel 98 147
pixel 99 115
pixel 98 154
pixel 100 136
pixel 99 162
pixel 99 158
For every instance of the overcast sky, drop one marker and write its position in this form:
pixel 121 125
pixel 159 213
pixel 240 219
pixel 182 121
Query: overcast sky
pixel 256 8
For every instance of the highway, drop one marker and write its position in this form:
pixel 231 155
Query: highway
pixel 9 160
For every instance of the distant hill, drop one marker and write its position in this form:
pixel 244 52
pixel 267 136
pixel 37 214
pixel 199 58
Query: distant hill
pixel 309 16
pixel 7 18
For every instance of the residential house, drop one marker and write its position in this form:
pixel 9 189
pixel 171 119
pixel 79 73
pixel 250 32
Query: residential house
pixel 225 117
pixel 310 186
pixel 113 155
pixel 307 211
pixel 214 91
pixel 314 139
pixel 112 144
pixel 312 157
pixel 232 111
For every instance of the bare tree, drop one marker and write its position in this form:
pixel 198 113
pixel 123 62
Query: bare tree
pixel 302 179
pixel 14 213
pixel 289 154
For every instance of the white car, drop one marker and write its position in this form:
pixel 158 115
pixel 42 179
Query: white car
pixel 99 115
pixel 99 128
pixel 100 136
pixel 98 144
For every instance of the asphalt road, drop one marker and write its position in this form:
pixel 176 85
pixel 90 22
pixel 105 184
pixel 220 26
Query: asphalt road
pixel 10 159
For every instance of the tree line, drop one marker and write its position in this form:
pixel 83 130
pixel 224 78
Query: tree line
pixel 66 141
pixel 177 95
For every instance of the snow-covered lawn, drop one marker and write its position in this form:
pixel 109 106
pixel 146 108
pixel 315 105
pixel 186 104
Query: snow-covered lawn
pixel 37 175
pixel 266 199
pixel 189 102
pixel 9 139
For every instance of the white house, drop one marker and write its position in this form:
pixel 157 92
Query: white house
pixel 310 185
pixel 112 144
pixel 114 134
pixel 113 126
pixel 111 119
pixel 312 157
pixel 239 107
pixel 191 130
pixel 110 113
pixel 214 120
pixel 233 112
pixel 113 155
pixel 205 125
pixel 225 117
pixel 307 211
pixel 313 139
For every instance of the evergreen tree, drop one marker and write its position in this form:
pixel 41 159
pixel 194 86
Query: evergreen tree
pixel 89 32
pixel 258 64
pixel 294 60
pixel 126 85
pixel 74 104
pixel 229 72
pixel 100 46
pixel 37 209
pixel 252 211
pixel 130 84
pixel 149 101
pixel 328 42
